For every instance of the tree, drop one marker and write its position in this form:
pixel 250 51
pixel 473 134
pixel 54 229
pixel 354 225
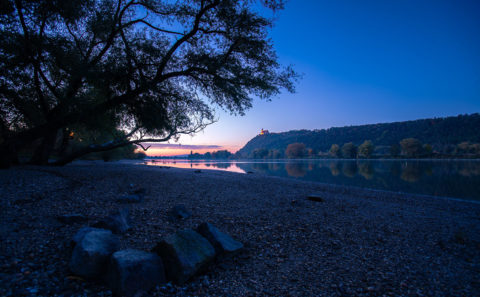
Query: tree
pixel 365 150
pixel 427 150
pixel 274 154
pixel 411 147
pixel 349 150
pixel 311 153
pixel 295 150
pixel 335 150
pixel 394 150
pixel 147 68
pixel 260 153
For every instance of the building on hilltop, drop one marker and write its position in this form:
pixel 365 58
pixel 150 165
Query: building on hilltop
pixel 264 132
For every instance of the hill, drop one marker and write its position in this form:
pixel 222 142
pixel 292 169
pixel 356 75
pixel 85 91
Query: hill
pixel 440 133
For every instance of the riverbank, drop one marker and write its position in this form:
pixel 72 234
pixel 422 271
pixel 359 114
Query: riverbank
pixel 356 242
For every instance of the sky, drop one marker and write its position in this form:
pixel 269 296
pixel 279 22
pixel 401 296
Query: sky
pixel 362 62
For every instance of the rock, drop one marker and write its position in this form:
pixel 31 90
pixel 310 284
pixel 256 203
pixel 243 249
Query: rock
pixel 81 234
pixel 132 272
pixel 179 212
pixel 222 242
pixel 184 254
pixel 90 256
pixel 133 198
pixel 71 218
pixel 249 172
pixel 118 222
pixel 316 198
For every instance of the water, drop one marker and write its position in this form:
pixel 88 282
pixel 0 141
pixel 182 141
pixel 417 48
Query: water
pixel 448 178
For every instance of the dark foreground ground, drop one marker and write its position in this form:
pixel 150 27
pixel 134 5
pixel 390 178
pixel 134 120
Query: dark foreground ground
pixel 356 243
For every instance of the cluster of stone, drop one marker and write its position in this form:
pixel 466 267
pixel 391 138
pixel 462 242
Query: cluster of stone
pixel 178 257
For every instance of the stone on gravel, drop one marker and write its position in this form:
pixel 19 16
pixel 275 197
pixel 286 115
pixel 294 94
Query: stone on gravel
pixel 184 254
pixel 315 198
pixel 71 218
pixel 132 272
pixel 132 198
pixel 179 212
pixel 222 242
pixel 90 256
pixel 118 222
pixel 77 238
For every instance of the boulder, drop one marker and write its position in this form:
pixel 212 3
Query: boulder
pixel 184 254
pixel 179 212
pixel 91 255
pixel 222 242
pixel 118 222
pixel 132 198
pixel 71 218
pixel 132 272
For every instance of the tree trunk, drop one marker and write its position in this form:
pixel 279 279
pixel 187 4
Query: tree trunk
pixel 44 150
pixel 8 156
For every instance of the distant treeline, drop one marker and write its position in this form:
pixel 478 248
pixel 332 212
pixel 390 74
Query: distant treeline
pixel 222 154
pixel 429 138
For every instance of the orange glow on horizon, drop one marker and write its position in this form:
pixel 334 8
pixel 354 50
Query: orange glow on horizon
pixel 168 152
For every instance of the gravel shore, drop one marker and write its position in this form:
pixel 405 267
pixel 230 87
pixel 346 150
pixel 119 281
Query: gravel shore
pixel 355 243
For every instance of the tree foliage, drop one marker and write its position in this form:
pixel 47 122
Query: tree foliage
pixel 349 150
pixel 149 68
pixel 365 150
pixel 335 151
pixel 295 150
pixel 438 132
pixel 411 147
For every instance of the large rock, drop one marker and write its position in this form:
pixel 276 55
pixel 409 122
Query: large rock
pixel 90 256
pixel 179 212
pixel 222 242
pixel 132 272
pixel 118 222
pixel 184 254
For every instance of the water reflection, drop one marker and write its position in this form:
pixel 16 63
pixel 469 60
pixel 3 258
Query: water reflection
pixel 365 169
pixel 296 169
pixel 349 168
pixel 453 178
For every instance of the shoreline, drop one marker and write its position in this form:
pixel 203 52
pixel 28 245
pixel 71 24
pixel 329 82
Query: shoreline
pixel 361 242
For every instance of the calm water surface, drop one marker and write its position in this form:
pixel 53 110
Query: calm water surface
pixel 449 178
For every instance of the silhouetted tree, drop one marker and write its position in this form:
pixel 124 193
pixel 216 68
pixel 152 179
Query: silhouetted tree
pixel 295 150
pixel 144 67
pixel 349 150
pixel 365 150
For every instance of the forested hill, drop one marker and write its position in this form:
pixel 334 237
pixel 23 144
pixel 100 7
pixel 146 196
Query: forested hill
pixel 436 132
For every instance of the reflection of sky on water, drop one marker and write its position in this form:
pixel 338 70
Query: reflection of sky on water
pixel 452 178
pixel 207 165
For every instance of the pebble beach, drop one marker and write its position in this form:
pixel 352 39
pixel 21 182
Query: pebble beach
pixel 351 242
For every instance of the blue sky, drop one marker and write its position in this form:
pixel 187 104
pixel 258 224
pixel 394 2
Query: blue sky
pixel 365 62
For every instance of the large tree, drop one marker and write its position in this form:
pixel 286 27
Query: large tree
pixel 140 70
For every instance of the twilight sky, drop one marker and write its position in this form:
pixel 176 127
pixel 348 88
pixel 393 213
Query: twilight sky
pixel 362 62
